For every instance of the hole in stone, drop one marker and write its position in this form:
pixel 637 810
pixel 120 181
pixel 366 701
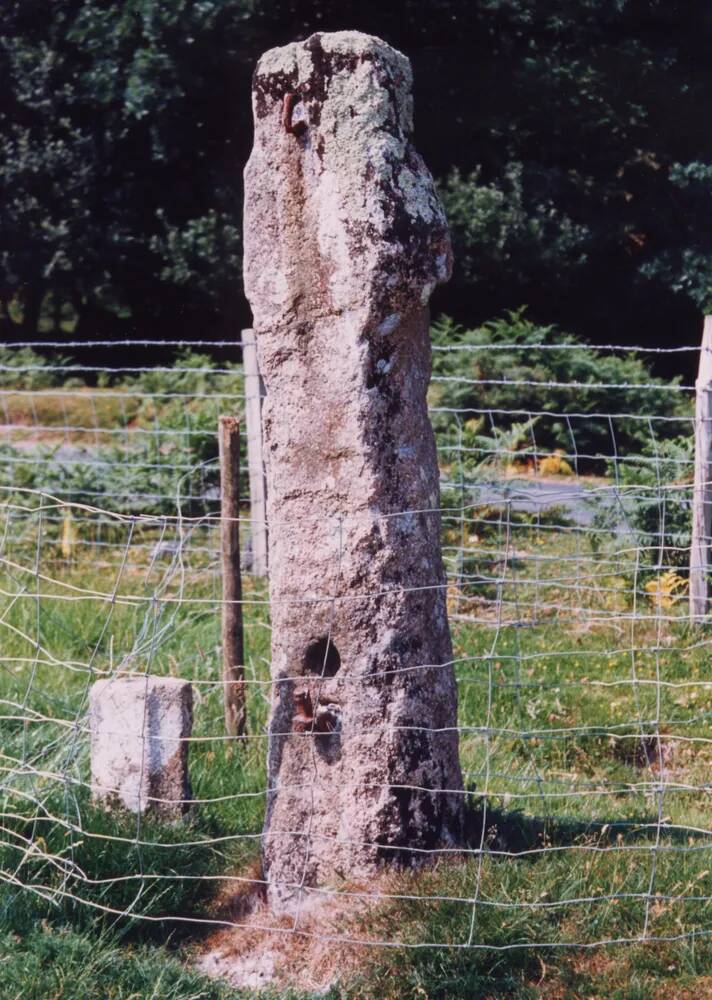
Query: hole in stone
pixel 322 658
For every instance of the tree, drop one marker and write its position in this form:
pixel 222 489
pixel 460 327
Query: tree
pixel 116 162
pixel 569 136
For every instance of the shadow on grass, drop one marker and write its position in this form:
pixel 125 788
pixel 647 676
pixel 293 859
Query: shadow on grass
pixel 514 832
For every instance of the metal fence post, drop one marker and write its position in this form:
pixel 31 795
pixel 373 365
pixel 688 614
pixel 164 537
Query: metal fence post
pixel 254 394
pixel 702 492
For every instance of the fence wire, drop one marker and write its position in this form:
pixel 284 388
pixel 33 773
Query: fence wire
pixel 584 693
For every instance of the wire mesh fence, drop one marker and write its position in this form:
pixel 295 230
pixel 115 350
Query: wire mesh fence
pixel 584 692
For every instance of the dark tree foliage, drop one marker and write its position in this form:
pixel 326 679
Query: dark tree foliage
pixel 569 136
pixel 123 129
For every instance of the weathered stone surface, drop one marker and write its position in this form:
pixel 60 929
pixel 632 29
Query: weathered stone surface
pixel 344 242
pixel 140 727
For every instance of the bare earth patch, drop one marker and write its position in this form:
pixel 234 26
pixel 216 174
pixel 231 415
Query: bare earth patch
pixel 312 952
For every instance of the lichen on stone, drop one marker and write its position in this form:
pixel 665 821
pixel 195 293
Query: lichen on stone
pixel 345 240
pixel 353 174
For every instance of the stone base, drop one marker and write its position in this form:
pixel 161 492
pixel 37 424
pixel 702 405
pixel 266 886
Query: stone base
pixel 140 727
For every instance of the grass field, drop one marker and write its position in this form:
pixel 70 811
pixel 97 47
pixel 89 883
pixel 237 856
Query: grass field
pixel 584 695
pixel 584 710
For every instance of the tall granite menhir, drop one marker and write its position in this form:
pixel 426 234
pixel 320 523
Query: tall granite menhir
pixel 344 242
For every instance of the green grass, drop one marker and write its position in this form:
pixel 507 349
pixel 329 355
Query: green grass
pixel 555 674
pixel 559 869
pixel 60 962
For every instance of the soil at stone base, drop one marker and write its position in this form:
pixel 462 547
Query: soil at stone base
pixel 310 952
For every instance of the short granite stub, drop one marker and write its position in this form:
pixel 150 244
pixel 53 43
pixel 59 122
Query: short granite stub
pixel 140 730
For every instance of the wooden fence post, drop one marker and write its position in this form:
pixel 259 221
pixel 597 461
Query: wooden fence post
pixel 254 394
pixel 702 492
pixel 233 670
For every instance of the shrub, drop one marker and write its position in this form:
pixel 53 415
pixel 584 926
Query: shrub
pixel 655 507
pixel 23 368
pixel 150 472
pixel 570 388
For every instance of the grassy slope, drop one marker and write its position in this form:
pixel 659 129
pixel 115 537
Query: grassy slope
pixel 563 819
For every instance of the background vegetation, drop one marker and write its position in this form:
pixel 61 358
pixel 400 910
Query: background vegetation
pixel 570 138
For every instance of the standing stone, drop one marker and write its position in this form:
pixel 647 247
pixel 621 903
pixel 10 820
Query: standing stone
pixel 344 242
pixel 140 727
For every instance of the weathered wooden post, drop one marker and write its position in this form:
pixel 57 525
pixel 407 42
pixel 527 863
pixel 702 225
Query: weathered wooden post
pixel 344 242
pixel 254 395
pixel 702 491
pixel 233 671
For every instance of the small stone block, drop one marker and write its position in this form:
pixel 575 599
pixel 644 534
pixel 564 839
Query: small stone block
pixel 140 727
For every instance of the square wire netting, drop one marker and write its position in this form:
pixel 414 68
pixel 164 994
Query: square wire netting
pixel 584 691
